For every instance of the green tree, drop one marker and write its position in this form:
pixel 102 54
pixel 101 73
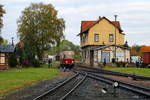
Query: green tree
pixel 135 50
pixel 12 60
pixel 39 28
pixel 4 42
pixel 66 45
pixel 1 40
pixel 2 12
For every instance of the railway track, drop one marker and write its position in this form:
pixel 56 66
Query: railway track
pixel 64 89
pixel 145 92
pixel 102 71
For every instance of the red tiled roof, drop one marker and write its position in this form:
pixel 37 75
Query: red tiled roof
pixel 85 25
pixel 145 49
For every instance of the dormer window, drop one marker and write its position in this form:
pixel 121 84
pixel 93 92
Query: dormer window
pixel 96 37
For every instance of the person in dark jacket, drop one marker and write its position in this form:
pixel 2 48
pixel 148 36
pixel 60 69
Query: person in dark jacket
pixel 49 63
pixel 104 63
pixel 137 64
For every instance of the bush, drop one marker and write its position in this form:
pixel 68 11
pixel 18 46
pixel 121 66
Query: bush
pixel 26 63
pixel 12 60
pixel 36 63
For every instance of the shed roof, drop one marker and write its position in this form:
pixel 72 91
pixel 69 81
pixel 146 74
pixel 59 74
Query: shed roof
pixel 145 49
pixel 86 24
pixel 106 46
pixel 7 48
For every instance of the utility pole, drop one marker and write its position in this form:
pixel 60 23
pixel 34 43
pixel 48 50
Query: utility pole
pixel 12 41
pixel 115 38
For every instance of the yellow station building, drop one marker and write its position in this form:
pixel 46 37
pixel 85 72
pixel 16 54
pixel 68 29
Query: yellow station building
pixel 102 40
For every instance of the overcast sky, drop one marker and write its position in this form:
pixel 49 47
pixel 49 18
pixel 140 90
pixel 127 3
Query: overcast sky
pixel 134 16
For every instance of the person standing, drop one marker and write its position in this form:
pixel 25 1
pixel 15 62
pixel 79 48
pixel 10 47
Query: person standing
pixel 137 64
pixel 49 63
pixel 104 63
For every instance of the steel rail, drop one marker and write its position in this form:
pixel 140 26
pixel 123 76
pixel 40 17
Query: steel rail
pixel 128 86
pixel 102 71
pixel 74 88
pixel 53 89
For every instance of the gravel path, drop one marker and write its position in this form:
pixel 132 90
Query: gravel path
pixel 32 91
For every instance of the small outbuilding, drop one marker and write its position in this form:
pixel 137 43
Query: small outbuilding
pixel 4 55
pixel 106 54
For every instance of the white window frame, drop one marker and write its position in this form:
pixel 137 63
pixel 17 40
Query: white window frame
pixel 111 38
pixel 96 37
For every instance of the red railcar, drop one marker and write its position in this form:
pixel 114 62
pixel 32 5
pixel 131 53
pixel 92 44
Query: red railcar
pixel 146 57
pixel 67 59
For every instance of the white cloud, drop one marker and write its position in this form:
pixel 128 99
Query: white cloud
pixel 137 42
pixel 133 15
pixel 138 32
pixel 15 1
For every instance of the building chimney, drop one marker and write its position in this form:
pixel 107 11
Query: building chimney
pixel 99 17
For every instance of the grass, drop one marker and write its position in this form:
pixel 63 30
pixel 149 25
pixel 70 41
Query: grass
pixel 15 79
pixel 137 71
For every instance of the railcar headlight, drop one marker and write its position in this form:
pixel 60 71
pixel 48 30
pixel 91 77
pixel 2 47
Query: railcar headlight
pixel 66 61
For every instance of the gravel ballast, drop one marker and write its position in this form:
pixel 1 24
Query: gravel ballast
pixel 92 90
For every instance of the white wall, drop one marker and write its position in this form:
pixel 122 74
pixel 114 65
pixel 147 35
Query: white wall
pixel 123 54
pixel 128 55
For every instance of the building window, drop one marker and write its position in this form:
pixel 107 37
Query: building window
pixel 83 38
pixel 111 38
pixel 2 59
pixel 96 37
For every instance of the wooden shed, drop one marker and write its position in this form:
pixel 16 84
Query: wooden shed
pixel 4 54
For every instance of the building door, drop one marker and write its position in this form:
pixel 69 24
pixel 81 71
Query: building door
pixel 105 57
pixel 91 57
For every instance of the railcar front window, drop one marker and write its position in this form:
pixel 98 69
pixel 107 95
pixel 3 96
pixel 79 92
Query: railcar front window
pixel 68 56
